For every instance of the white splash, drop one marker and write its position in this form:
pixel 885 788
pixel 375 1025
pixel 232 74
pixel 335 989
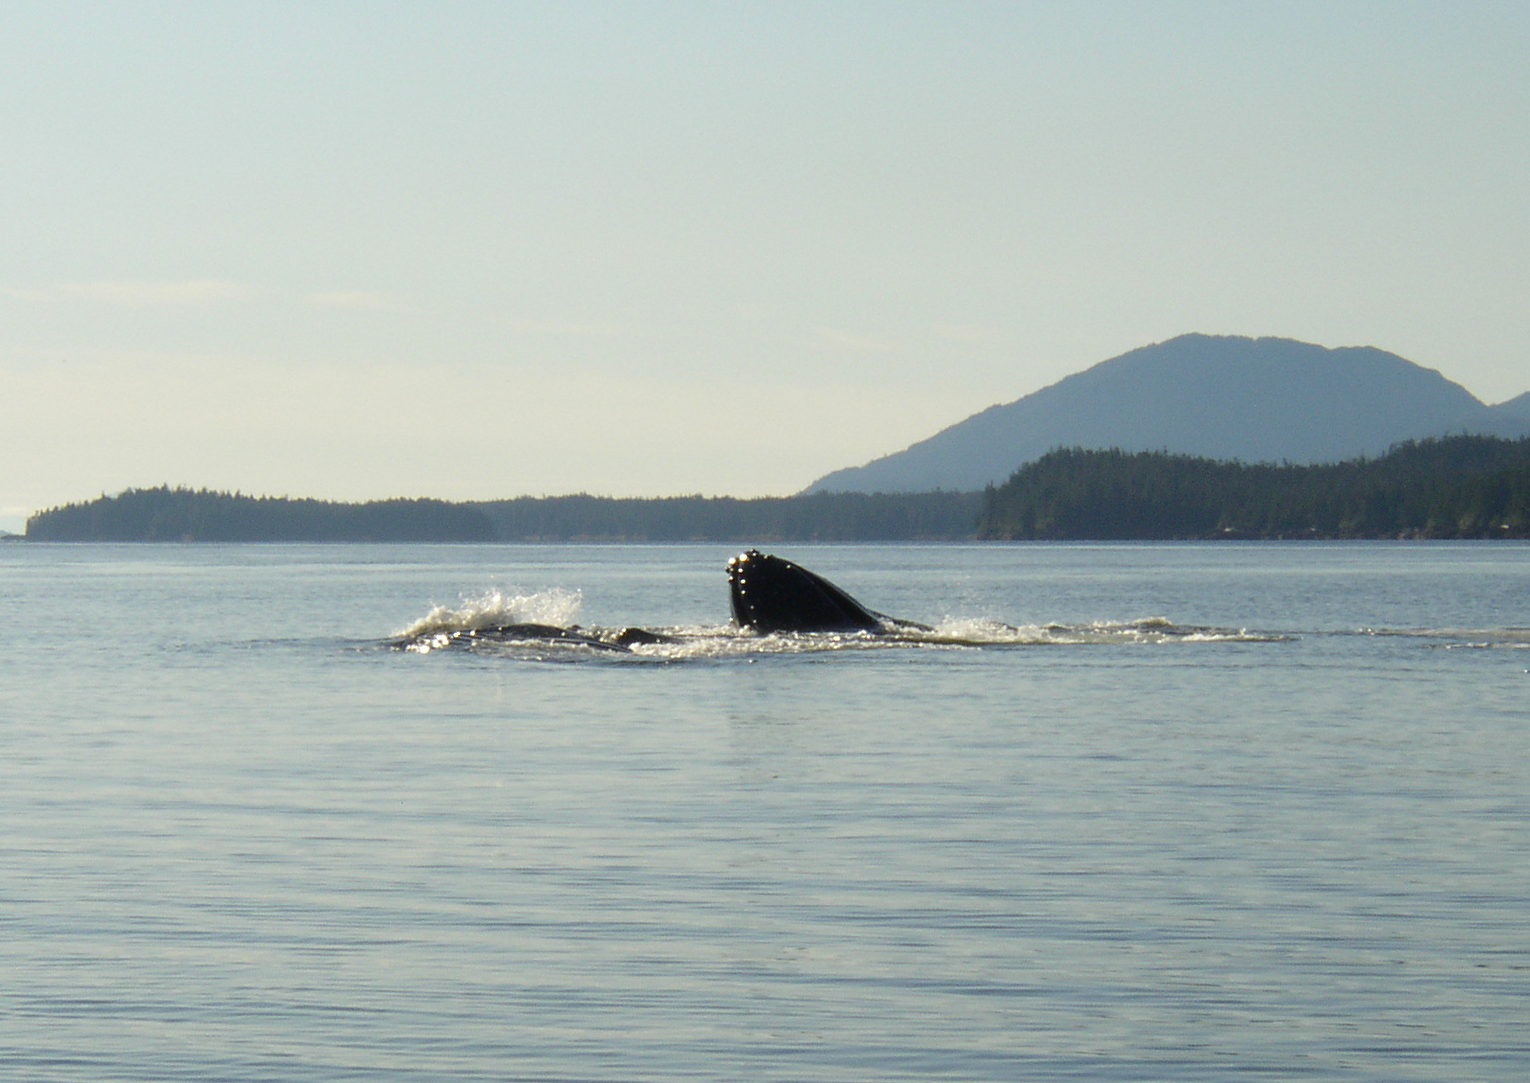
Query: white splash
pixel 1146 630
pixel 498 608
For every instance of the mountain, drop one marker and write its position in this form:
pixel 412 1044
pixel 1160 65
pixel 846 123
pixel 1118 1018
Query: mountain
pixel 1214 396
pixel 1514 412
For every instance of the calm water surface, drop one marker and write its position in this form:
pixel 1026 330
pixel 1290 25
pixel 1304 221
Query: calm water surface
pixel 1195 812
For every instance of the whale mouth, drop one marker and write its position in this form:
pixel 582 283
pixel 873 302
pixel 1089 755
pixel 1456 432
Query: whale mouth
pixel 779 608
pixel 770 594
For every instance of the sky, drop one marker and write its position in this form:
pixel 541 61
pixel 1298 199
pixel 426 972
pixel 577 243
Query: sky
pixel 475 250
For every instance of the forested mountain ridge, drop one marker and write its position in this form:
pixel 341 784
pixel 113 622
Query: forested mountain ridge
pixel 937 516
pixel 1212 396
pixel 1457 487
pixel 200 515
pixel 166 514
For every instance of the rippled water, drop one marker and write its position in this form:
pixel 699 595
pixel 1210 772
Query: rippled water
pixel 1191 812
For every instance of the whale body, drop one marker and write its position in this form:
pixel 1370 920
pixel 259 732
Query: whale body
pixel 768 595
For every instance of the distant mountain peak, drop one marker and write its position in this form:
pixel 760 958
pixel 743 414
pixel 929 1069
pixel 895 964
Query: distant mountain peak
pixel 1218 396
pixel 1518 406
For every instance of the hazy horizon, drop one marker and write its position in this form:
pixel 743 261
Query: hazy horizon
pixel 473 251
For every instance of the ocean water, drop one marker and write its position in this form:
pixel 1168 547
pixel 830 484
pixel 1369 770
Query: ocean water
pixel 1131 812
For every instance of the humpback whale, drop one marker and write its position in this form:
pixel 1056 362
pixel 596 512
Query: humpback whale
pixel 768 595
pixel 778 607
pixel 601 639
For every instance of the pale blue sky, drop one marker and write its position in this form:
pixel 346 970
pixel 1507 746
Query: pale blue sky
pixel 473 250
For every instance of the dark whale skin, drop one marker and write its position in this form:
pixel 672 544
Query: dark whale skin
pixel 770 594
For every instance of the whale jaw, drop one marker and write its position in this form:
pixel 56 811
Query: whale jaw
pixel 769 594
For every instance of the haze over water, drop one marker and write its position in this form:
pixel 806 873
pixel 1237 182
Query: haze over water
pixel 1204 812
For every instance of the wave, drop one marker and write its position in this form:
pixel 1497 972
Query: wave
pixel 1460 638
pixel 1146 630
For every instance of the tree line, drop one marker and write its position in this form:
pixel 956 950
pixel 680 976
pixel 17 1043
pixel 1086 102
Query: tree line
pixel 936 516
pixel 201 515
pixel 1452 487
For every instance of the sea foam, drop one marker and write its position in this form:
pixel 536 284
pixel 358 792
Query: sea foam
pixel 497 608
